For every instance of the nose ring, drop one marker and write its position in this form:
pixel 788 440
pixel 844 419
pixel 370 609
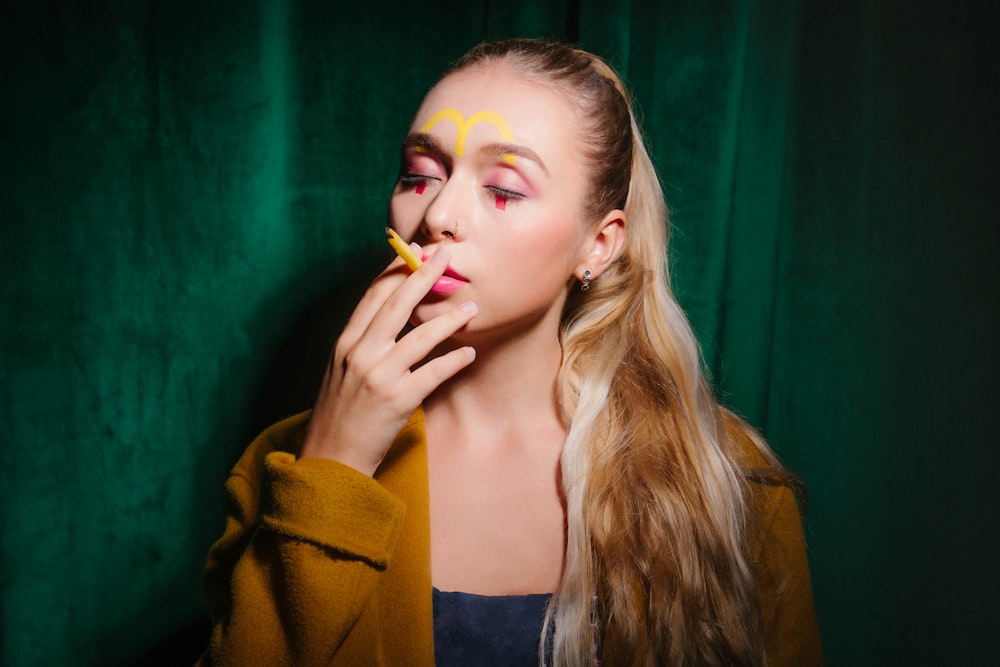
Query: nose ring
pixel 449 234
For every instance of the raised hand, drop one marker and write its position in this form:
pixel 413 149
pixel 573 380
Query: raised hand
pixel 371 384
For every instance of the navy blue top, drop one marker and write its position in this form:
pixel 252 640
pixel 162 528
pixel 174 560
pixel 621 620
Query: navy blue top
pixel 486 630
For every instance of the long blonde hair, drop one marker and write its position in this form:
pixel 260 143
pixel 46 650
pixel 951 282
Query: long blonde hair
pixel 654 500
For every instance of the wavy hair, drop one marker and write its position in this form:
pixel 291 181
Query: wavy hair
pixel 655 502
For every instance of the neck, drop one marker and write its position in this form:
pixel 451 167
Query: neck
pixel 509 387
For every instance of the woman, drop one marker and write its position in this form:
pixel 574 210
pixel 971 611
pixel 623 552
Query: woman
pixel 539 440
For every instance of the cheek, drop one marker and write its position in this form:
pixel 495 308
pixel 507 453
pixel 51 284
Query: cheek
pixel 553 244
pixel 405 212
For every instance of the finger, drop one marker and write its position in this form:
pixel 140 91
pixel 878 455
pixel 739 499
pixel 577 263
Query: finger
pixel 423 339
pixel 373 299
pixel 395 311
pixel 393 362
pixel 384 369
pixel 423 381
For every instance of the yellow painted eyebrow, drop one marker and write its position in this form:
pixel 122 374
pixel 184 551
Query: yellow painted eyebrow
pixel 421 142
pixel 464 126
pixel 506 150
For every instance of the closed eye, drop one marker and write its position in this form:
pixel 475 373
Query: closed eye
pixel 413 180
pixel 418 167
pixel 503 196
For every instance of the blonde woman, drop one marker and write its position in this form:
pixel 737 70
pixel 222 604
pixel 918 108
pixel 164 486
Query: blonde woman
pixel 514 457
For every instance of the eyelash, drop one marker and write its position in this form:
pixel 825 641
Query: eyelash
pixel 413 180
pixel 504 196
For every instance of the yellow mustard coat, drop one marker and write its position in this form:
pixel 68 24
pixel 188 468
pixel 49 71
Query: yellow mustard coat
pixel 322 565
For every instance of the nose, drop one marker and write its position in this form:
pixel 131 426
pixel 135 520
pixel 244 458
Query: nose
pixel 450 208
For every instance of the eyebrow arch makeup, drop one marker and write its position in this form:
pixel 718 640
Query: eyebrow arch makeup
pixel 508 150
pixel 464 125
pixel 402 249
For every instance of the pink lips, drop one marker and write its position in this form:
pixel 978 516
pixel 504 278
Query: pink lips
pixel 449 282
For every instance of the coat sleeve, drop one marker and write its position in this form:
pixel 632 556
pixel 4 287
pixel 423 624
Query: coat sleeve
pixel 781 567
pixel 303 546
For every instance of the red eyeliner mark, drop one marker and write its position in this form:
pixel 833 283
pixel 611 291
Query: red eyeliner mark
pixel 500 203
pixel 420 188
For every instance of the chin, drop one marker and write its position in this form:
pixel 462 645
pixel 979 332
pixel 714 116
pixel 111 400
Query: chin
pixel 432 306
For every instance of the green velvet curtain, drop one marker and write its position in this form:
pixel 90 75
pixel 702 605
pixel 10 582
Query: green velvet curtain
pixel 193 193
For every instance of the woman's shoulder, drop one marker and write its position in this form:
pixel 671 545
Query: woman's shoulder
pixel 776 498
pixel 755 458
pixel 746 445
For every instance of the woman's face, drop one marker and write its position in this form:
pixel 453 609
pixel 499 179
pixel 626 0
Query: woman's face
pixel 491 170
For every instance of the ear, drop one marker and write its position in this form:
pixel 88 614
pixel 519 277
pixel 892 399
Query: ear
pixel 602 245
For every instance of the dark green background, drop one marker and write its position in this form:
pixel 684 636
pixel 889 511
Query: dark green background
pixel 193 192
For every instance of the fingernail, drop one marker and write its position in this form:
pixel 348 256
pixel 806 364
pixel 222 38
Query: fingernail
pixel 441 256
pixel 471 352
pixel 469 307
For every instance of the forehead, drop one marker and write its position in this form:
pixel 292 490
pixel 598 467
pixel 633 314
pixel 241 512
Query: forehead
pixel 491 103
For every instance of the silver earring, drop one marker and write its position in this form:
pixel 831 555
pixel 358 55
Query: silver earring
pixel 585 285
